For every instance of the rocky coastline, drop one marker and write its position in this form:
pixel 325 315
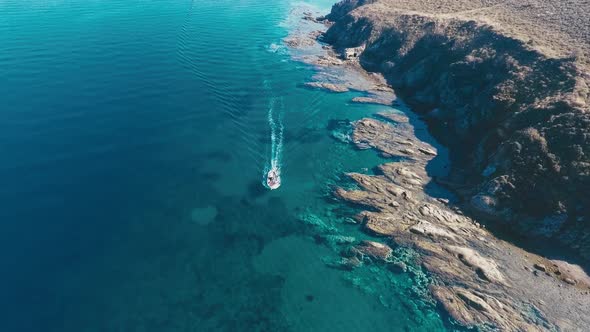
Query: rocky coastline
pixel 479 280
pixel 514 112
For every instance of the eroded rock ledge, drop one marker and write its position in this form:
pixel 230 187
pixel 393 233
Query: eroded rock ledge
pixel 515 116
pixel 479 280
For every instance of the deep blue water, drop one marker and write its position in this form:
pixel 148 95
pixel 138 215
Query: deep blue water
pixel 134 136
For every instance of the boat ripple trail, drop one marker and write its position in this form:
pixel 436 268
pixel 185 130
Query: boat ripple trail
pixel 275 122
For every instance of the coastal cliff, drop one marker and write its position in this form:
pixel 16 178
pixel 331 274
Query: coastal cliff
pixel 511 104
pixel 481 281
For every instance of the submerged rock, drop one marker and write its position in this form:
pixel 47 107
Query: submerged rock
pixel 317 223
pixel 336 240
pixel 349 263
pixel 204 216
pixel 341 130
pixel 398 267
pixel 373 250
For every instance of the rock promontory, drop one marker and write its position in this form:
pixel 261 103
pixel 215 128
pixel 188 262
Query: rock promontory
pixel 425 50
pixel 505 84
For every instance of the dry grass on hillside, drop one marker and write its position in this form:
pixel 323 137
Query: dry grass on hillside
pixel 558 28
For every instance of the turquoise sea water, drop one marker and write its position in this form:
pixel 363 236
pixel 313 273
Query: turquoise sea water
pixel 134 136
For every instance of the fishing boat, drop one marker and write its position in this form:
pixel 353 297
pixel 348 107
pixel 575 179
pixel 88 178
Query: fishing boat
pixel 273 178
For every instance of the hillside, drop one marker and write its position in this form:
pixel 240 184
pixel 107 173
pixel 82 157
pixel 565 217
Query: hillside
pixel 505 85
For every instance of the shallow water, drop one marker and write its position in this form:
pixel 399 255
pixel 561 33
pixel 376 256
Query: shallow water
pixel 134 139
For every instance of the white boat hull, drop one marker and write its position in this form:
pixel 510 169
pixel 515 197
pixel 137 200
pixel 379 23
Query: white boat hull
pixel 273 179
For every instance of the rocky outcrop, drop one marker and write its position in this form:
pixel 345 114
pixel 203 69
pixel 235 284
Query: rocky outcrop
pixel 517 120
pixel 372 250
pixel 372 100
pixel 480 281
pixel 328 86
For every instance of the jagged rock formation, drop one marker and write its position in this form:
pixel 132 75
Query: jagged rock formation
pixel 505 85
pixel 480 281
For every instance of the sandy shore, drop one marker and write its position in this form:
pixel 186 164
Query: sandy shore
pixel 479 280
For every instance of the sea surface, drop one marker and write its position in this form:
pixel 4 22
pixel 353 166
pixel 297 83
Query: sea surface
pixel 134 139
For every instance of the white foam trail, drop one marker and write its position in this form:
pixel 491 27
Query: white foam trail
pixel 277 157
pixel 276 135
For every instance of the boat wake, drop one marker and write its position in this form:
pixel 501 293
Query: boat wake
pixel 272 168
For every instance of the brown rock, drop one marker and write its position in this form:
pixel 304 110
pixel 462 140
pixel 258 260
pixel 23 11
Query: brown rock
pixel 485 267
pixel 428 229
pixel 540 267
pixel 299 41
pixel 350 263
pixel 570 281
pixel 328 86
pixel 394 116
pixel 408 151
pixel 371 100
pixel 399 267
pixel 427 151
pixel 374 250
pixel 474 301
pixel 382 225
